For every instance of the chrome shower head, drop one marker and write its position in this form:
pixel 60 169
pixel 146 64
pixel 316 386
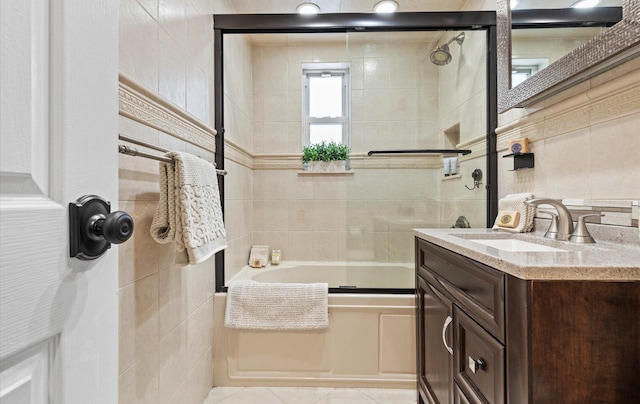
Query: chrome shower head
pixel 441 55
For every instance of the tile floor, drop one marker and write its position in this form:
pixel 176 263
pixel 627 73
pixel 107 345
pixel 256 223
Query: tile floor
pixel 308 395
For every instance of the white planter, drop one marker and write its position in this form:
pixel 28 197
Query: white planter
pixel 327 166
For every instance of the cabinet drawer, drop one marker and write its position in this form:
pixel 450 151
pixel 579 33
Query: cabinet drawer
pixel 478 361
pixel 477 288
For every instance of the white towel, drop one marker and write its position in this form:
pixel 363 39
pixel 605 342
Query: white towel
pixel 277 306
pixel 515 202
pixel 189 210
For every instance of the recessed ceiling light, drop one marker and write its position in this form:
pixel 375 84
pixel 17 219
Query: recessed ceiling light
pixel 514 3
pixel 386 6
pixel 585 3
pixel 308 8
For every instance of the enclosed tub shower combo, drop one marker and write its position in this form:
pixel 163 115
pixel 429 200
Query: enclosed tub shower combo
pixel 409 102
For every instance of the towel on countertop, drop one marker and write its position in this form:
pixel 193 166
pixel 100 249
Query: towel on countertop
pixel 189 210
pixel 277 306
pixel 515 202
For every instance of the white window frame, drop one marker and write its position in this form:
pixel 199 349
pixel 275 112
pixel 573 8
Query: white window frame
pixel 334 69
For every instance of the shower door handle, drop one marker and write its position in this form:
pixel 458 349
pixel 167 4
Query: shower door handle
pixel 444 334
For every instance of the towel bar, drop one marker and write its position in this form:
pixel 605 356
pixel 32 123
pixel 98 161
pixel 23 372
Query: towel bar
pixel 132 151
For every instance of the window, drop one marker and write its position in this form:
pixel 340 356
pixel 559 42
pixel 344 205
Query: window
pixel 325 103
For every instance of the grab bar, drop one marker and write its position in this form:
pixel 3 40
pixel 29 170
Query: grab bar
pixel 419 151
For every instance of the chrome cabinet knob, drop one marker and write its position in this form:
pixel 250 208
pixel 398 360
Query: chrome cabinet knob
pixel 93 227
pixel 475 364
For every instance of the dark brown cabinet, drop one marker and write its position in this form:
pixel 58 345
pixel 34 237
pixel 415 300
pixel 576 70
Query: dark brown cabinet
pixel 487 337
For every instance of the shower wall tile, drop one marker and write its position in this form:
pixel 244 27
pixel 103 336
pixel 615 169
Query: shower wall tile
pixel 193 390
pixel 275 68
pixel 275 106
pixel 172 300
pixel 171 17
pixel 199 333
pixel 199 37
pixel 403 105
pixel 329 53
pixel 615 142
pixel 139 42
pixel 172 70
pixel 139 256
pixel 200 284
pixel 403 72
pixel 356 73
pixel 576 173
pixel 278 240
pixel 138 329
pixel 233 219
pixel 325 246
pixel 301 215
pixel 300 246
pixel 172 360
pixel 276 137
pixel 294 106
pixel 376 73
pixel 276 215
pixel 376 104
pixel 197 93
pixel 139 383
pixel 294 131
pixel 167 45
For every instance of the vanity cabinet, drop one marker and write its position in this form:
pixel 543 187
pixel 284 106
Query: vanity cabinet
pixel 484 336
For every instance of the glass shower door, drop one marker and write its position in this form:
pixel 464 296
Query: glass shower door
pixel 402 100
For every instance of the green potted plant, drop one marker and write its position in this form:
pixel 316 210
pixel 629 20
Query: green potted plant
pixel 325 156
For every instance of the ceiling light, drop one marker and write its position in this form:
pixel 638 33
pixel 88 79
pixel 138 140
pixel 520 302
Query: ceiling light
pixel 386 6
pixel 585 3
pixel 514 4
pixel 308 8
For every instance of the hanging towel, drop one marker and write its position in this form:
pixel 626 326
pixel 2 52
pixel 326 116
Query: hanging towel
pixel 515 202
pixel 189 210
pixel 277 306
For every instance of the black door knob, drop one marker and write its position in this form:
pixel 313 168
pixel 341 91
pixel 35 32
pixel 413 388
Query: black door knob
pixel 92 228
pixel 116 228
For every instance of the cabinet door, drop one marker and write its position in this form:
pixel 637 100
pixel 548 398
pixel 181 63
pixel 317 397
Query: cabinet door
pixel 435 362
pixel 478 361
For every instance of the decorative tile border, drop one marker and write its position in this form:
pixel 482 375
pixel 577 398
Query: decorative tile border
pixel 612 100
pixel 292 161
pixel 237 154
pixel 148 108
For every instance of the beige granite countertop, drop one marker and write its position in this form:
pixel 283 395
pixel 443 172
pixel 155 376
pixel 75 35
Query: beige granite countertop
pixel 601 261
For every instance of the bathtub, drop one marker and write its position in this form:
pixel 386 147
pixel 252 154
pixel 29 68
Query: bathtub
pixel 370 341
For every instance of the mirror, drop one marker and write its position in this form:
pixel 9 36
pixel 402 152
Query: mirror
pixel 610 47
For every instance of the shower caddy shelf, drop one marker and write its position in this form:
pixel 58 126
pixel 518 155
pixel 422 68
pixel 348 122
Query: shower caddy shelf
pixel 521 161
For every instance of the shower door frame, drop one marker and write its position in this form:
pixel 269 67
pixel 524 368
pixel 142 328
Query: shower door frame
pixel 361 22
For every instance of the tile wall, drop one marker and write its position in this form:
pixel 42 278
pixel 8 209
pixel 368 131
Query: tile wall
pixel 397 97
pixel 166 312
pixel 586 146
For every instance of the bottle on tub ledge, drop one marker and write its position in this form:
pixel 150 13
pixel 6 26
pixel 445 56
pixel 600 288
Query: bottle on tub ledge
pixel 276 255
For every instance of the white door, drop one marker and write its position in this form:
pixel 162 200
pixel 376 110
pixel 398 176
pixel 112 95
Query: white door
pixel 58 127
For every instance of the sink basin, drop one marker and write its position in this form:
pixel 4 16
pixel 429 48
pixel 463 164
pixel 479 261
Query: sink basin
pixel 515 245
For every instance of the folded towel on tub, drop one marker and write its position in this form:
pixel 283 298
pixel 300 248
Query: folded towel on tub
pixel 277 306
pixel 189 210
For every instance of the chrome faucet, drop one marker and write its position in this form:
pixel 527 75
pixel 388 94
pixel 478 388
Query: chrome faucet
pixel 565 223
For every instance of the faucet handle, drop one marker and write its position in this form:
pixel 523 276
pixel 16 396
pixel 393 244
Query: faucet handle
pixel 552 231
pixel 581 233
